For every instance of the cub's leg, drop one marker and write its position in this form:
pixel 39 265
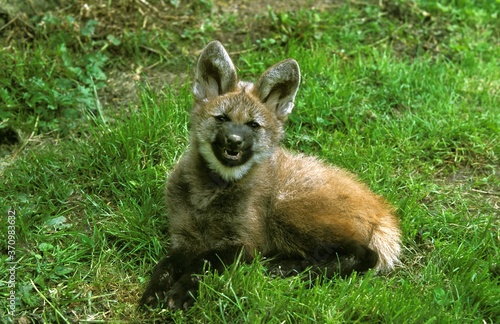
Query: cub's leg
pixel 327 260
pixel 174 279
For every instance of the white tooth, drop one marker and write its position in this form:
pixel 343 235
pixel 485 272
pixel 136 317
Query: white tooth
pixel 232 157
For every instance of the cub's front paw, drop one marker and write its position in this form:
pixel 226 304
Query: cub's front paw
pixel 160 284
pixel 156 292
pixel 151 300
pixel 182 294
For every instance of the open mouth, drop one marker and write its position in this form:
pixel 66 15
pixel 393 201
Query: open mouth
pixel 231 155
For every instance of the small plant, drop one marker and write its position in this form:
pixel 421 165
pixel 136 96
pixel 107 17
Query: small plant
pixel 49 88
pixel 300 26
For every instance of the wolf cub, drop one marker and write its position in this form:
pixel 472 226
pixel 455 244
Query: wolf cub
pixel 236 192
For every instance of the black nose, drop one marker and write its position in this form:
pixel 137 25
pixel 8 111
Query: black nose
pixel 234 141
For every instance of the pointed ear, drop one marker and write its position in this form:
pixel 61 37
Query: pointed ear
pixel 277 87
pixel 215 73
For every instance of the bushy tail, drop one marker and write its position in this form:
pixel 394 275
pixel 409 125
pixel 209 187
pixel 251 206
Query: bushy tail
pixel 386 241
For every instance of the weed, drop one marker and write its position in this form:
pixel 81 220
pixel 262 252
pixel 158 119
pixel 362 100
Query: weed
pixel 49 88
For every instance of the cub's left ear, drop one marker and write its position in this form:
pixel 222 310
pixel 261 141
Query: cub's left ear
pixel 278 86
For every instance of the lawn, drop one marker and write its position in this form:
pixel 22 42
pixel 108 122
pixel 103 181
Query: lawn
pixel 94 105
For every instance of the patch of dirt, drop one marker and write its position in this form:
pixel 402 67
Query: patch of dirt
pixel 17 23
pixel 164 16
pixel 121 90
pixel 155 16
pixel 483 193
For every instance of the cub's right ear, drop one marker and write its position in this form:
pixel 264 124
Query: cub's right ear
pixel 215 73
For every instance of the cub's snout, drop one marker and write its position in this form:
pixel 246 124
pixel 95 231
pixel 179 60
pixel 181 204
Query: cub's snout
pixel 233 144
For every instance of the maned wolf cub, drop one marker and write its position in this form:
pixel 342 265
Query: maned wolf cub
pixel 236 193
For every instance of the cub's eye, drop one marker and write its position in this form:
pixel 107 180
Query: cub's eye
pixel 253 124
pixel 221 118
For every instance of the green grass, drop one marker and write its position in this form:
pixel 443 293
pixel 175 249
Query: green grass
pixel 405 95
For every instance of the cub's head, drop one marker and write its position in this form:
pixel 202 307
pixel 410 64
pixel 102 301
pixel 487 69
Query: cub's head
pixel 237 124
